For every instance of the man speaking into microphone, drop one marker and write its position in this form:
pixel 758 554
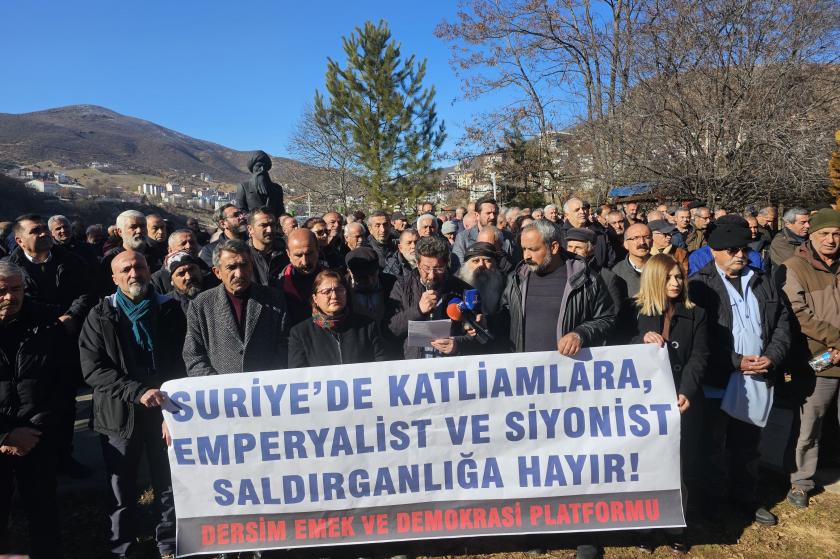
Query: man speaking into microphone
pixel 424 294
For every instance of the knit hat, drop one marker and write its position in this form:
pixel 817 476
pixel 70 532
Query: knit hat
pixel 178 259
pixel 729 235
pixel 487 250
pixel 449 227
pixel 826 217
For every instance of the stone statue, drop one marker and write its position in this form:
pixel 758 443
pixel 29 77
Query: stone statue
pixel 260 191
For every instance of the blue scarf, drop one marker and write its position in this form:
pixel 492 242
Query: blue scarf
pixel 140 315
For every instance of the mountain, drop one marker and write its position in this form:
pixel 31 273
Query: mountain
pixel 75 136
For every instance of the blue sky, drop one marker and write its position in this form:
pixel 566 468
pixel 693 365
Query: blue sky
pixel 234 72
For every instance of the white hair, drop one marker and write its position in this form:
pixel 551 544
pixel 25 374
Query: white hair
pixel 425 217
pixel 569 201
pixel 354 225
pixel 129 214
pixel 9 269
pixel 550 207
pixel 56 218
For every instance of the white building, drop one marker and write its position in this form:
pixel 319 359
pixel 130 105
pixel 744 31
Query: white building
pixel 45 187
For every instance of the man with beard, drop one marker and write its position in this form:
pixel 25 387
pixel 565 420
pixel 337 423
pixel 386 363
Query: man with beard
pixel 182 240
pixel 260 191
pixel 423 295
pixel 130 344
pixel 58 280
pixel 156 238
pixel 488 213
pixel 32 388
pixel 131 230
pixel 233 223
pixel 298 276
pixel 238 326
pixel 60 229
pixel 185 277
pixel 379 240
pixel 551 214
pixel 630 210
pixel 480 271
pixel 266 258
pixel 504 261
pixel 575 215
pixel 404 259
pixel 201 236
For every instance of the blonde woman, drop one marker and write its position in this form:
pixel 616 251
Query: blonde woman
pixel 666 317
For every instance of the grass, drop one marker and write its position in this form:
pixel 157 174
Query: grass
pixel 813 532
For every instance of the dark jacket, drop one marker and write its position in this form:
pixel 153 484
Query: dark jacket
pixel 358 340
pixel 784 246
pixel 587 307
pixel 267 267
pixel 707 291
pixel 248 199
pixel 404 306
pixel 602 250
pixel 32 386
pixel 105 285
pixel 382 250
pixel 65 286
pixel 214 344
pixel 118 380
pixel 688 348
pixel 397 266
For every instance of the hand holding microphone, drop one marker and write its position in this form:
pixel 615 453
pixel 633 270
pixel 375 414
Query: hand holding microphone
pixel 458 311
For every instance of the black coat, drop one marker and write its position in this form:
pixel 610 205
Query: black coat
pixel 118 381
pixel 357 341
pixel 688 347
pixel 707 291
pixel 32 387
pixel 248 199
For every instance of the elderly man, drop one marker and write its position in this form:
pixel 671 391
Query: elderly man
pixel 182 240
pixel 129 345
pixel 427 225
pixel 449 231
pixel 796 223
pixel 298 276
pixel 703 255
pixel 767 217
pixel 131 230
pixel 156 236
pixel 504 261
pixel 267 258
pixel 60 229
pixel 31 401
pixel 399 222
pixel 488 212
pixel 812 285
pixel 185 277
pixel 200 234
pixel 615 234
pixel 238 326
pixel 260 190
pixel 423 295
pixel 404 259
pixel 379 225
pixel 580 242
pixel 575 215
pixel 355 235
pixel 662 232
pixel 551 214
pixel 696 237
pixel 547 277
pixel 287 225
pixel 481 271
pixel 233 224
pixel 749 322
pixel 682 221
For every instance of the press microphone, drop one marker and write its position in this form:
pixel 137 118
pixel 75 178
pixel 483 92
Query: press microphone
pixel 459 312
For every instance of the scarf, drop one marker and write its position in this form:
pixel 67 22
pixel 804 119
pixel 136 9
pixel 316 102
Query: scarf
pixel 140 315
pixel 329 323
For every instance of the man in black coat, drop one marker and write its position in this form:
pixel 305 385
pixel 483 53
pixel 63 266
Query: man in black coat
pixel 130 344
pixel 268 251
pixel 749 324
pixel 260 191
pixel 379 225
pixel 31 404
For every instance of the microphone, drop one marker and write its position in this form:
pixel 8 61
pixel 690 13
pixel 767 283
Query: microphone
pixel 458 311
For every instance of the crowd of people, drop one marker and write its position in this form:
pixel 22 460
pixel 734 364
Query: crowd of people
pixel 740 305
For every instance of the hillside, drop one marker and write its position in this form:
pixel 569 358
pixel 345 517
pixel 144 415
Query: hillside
pixel 74 136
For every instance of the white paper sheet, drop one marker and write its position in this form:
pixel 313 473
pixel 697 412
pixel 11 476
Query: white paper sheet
pixel 422 332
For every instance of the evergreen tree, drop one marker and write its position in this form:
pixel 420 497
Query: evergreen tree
pixel 380 102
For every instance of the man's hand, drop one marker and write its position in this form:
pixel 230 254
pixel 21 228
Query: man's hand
pixel 682 403
pixel 153 398
pixel 20 441
pixel 444 345
pixel 164 430
pixel 755 364
pixel 835 356
pixel 428 301
pixel 654 338
pixel 470 331
pixel 69 323
pixel 569 344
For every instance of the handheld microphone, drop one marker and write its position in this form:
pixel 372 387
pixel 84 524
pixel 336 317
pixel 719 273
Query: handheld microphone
pixel 458 311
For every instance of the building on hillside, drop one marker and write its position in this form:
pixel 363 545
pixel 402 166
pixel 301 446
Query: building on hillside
pixel 45 187
pixel 151 189
pixel 174 187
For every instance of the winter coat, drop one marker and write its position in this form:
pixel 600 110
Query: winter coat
pixel 783 246
pixel 814 294
pixel 602 250
pixel 358 340
pixel 687 343
pixel 117 379
pixel 707 291
pixel 214 345
pixel 587 307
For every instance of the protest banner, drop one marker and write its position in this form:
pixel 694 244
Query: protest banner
pixel 435 448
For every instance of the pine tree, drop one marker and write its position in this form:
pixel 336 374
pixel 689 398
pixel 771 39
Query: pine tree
pixel 382 105
pixel 834 171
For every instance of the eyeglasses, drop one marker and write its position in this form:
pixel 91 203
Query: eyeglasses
pixel 647 238
pixel 663 234
pixel 338 290
pixel 734 251
pixel 426 270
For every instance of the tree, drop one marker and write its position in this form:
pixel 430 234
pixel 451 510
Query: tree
pixel 834 170
pixel 378 102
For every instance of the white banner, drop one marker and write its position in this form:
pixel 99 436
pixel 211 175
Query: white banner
pixel 526 442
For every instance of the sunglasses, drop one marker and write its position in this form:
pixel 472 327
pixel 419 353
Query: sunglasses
pixel 734 251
